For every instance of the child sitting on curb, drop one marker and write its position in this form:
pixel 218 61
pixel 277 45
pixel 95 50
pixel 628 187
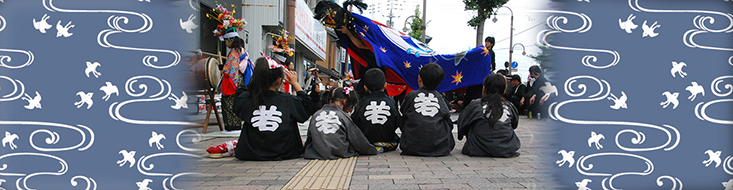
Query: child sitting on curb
pixel 489 122
pixel 332 134
pixel 376 114
pixel 426 128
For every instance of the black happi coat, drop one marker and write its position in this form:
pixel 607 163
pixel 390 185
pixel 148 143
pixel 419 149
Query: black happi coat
pixel 332 135
pixel 260 139
pixel 372 125
pixel 515 95
pixel 483 140
pixel 426 129
pixel 534 88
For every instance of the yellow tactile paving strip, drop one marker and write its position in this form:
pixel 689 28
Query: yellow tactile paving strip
pixel 324 174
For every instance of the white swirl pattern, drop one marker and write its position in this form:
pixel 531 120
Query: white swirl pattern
pixel 15 94
pixel 147 60
pixel 147 21
pixel 91 184
pixel 142 168
pixel 674 180
pixel 62 171
pixel 582 168
pixel 555 114
pixel 161 95
pixel 4 58
pixel 717 91
pixel 114 23
pixel 198 138
pixel 553 23
pixel 49 138
pixel 2 23
pixel 174 178
pixel 640 137
pixel 194 4
pixel 689 42
pixel 702 115
pixel 700 112
pixel 634 4
pixel 698 21
pixel 727 167
pixel 705 31
pixel 54 136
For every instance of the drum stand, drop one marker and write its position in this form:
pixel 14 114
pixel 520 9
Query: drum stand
pixel 209 91
pixel 210 105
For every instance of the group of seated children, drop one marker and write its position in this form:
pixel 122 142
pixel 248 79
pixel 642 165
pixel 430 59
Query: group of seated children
pixel 270 130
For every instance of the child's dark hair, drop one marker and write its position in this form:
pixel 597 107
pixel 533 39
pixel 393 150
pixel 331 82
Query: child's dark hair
pixel 494 86
pixel 431 75
pixel 237 42
pixel 489 39
pixel 334 95
pixel 535 69
pixel 359 88
pixel 338 94
pixel 374 79
pixel 351 100
pixel 262 79
pixel 502 72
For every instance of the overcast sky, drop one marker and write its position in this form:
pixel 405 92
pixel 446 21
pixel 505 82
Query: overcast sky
pixel 451 33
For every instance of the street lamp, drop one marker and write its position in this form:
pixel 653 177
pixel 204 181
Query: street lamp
pixel 511 50
pixel 523 52
pixel 511 32
pixel 404 29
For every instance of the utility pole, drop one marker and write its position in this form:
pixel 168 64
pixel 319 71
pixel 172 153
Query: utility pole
pixel 511 33
pixel 382 9
pixel 511 39
pixel 424 9
pixel 390 16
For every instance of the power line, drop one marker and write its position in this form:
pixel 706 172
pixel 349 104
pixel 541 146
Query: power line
pixel 520 32
pixel 533 45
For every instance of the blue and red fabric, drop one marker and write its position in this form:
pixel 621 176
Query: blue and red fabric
pixel 228 85
pixel 246 67
pixel 401 57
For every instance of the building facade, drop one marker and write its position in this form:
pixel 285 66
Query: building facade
pixel 313 43
pixel 265 20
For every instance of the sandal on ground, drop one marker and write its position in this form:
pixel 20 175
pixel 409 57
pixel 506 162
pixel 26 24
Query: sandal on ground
pixel 223 150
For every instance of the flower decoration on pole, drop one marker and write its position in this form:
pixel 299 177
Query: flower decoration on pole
pixel 281 43
pixel 349 77
pixel 229 25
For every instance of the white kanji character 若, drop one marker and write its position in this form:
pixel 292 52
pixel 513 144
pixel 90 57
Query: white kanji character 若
pixel 427 106
pixel 266 120
pixel 377 114
pixel 505 116
pixel 327 123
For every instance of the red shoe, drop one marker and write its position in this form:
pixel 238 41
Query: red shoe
pixel 223 150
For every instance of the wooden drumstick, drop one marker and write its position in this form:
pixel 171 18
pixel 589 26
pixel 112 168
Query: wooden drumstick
pixel 208 54
pixel 218 54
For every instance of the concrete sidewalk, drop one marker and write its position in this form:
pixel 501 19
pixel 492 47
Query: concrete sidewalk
pixel 393 171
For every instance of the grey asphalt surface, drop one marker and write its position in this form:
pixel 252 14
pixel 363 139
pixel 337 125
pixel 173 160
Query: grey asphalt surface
pixel 391 170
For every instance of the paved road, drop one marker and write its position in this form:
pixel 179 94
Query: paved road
pixel 394 171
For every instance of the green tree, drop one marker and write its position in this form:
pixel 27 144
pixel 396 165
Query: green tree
pixel 484 9
pixel 542 57
pixel 415 29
